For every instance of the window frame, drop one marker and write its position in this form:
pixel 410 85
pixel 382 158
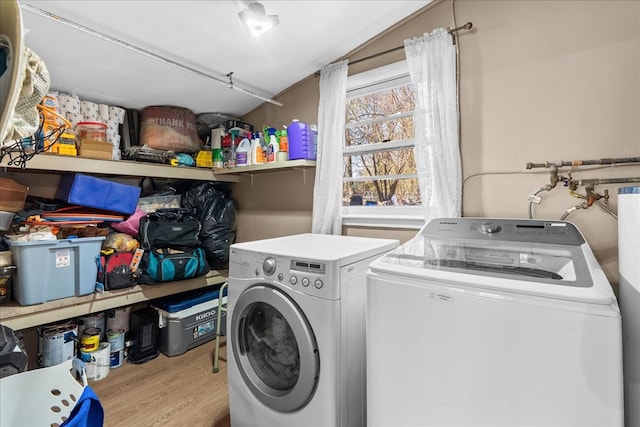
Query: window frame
pixel 410 217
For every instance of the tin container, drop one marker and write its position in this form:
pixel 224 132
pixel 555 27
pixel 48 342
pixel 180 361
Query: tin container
pixel 56 344
pixel 90 339
pixel 116 340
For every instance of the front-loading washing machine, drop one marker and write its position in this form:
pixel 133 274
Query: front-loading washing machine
pixel 295 330
pixel 493 322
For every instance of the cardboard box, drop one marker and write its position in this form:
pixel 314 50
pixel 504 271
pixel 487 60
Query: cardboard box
pixel 95 149
pixel 12 195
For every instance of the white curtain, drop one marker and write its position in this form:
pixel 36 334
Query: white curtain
pixel 432 66
pixel 327 191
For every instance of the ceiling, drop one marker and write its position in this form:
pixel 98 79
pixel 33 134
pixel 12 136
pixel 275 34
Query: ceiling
pixel 130 53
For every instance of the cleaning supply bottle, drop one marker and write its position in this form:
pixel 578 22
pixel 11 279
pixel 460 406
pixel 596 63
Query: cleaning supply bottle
pixel 243 153
pixel 234 144
pixel 283 154
pixel 300 143
pixel 257 152
pixel 273 146
pixel 216 147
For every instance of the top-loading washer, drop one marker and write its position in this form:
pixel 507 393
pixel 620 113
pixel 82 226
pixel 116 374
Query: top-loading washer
pixel 493 322
pixel 295 330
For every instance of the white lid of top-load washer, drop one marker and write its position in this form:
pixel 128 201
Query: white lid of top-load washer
pixel 541 258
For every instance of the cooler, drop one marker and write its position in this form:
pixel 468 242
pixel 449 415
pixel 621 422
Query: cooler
pixel 189 319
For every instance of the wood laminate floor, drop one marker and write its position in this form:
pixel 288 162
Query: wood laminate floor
pixel 167 391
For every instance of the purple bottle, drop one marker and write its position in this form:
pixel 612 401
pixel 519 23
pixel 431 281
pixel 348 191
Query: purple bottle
pixel 301 141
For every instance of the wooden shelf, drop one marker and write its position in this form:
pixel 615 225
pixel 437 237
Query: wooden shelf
pixel 61 164
pixel 20 317
pixel 267 167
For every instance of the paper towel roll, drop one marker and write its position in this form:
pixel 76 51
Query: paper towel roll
pixel 90 111
pixel 113 127
pixel 116 114
pixel 103 112
pixel 69 106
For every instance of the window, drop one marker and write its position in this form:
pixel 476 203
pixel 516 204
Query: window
pixel 380 184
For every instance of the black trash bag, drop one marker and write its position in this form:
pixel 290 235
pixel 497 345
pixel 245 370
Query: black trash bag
pixel 216 211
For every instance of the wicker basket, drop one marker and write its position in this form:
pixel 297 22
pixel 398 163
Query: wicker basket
pixel 41 397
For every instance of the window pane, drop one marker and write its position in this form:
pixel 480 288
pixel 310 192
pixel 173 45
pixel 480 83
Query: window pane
pixel 381 192
pixel 392 162
pixel 370 118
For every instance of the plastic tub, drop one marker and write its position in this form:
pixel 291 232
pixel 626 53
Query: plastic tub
pixel 94 131
pixel 54 269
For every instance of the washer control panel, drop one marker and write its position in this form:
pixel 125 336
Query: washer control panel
pixel 307 273
pixel 506 230
pixel 311 277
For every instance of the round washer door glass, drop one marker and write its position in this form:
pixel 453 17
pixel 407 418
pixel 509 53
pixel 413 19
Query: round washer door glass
pixel 271 337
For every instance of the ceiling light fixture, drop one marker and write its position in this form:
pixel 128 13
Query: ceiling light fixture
pixel 255 18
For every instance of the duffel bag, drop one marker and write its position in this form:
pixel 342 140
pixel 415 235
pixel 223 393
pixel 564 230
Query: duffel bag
pixel 168 265
pixel 169 228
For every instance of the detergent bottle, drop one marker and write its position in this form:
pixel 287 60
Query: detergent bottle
pixel 257 152
pixel 301 141
pixel 272 146
pixel 243 153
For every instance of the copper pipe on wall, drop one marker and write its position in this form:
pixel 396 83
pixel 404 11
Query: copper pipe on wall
pixel 565 163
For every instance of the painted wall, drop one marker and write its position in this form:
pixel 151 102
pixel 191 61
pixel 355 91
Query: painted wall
pixel 540 81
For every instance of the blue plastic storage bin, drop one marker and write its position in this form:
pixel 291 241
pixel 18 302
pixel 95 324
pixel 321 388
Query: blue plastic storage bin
pixel 52 269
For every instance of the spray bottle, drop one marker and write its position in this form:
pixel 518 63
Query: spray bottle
pixel 272 146
pixel 257 152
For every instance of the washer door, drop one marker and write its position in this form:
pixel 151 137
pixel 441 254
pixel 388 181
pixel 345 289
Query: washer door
pixel 274 348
